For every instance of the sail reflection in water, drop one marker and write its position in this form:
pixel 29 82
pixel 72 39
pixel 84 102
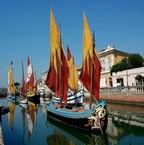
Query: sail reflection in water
pixel 66 135
pixel 30 125
pixel 31 116
pixel 12 108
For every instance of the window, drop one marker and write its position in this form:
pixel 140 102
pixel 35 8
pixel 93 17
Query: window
pixel 103 64
pixel 109 63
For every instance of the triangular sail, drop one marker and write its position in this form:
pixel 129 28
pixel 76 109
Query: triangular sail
pixel 31 82
pixel 73 75
pixel 54 40
pixel 58 64
pixel 51 80
pixel 11 80
pixel 64 76
pixel 90 74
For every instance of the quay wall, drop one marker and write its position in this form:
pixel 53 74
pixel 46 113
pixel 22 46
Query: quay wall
pixel 1 135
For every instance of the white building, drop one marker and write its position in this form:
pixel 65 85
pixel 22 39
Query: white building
pixel 131 77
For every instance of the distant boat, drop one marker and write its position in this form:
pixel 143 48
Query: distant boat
pixel 11 87
pixel 23 99
pixel 31 88
pixel 92 119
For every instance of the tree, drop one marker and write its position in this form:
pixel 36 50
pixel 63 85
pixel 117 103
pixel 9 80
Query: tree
pixel 17 84
pixel 133 61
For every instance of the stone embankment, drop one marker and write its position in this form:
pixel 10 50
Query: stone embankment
pixel 1 135
pixel 137 100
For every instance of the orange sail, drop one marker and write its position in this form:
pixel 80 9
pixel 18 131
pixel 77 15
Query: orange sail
pixel 64 76
pixel 73 75
pixel 91 68
pixel 11 80
pixel 57 78
pixel 51 80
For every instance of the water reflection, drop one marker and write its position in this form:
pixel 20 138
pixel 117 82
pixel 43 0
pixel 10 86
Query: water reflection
pixel 67 135
pixel 30 124
pixel 31 117
pixel 125 126
pixel 11 112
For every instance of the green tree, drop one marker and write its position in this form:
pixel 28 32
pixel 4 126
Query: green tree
pixel 133 61
pixel 17 84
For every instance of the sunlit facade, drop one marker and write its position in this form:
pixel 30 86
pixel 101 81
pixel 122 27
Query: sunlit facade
pixel 108 57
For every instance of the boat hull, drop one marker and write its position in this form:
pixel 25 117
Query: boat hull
pixel 72 99
pixel 86 120
pixel 35 98
pixel 23 100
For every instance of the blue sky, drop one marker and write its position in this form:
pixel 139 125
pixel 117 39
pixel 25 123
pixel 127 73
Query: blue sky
pixel 25 30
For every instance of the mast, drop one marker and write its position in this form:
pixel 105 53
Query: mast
pixel 61 68
pixel 92 70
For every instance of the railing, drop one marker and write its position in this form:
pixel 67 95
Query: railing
pixel 122 90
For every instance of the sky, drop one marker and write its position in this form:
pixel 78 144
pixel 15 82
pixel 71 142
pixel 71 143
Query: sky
pixel 25 30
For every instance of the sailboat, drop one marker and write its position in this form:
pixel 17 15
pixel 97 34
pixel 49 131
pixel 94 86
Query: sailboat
pixel 23 99
pixel 75 93
pixel 32 94
pixel 11 87
pixel 90 119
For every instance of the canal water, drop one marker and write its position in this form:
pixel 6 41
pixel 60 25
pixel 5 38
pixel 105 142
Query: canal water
pixel 32 126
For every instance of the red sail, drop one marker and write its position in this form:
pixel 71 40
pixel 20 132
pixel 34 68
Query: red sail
pixel 51 78
pixel 31 82
pixel 65 72
pixel 97 73
pixel 85 75
pixel 91 84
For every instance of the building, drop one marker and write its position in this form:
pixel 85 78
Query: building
pixel 131 77
pixel 108 57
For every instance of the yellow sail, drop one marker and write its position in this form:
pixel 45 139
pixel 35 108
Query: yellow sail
pixel 54 40
pixel 73 75
pixel 11 80
pixel 87 40
pixel 91 68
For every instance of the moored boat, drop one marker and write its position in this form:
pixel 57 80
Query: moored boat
pixel 90 119
pixel 11 87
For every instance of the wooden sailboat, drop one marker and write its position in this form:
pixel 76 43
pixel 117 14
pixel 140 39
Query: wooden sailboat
pixel 75 93
pixel 23 99
pixel 11 87
pixel 92 119
pixel 32 94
